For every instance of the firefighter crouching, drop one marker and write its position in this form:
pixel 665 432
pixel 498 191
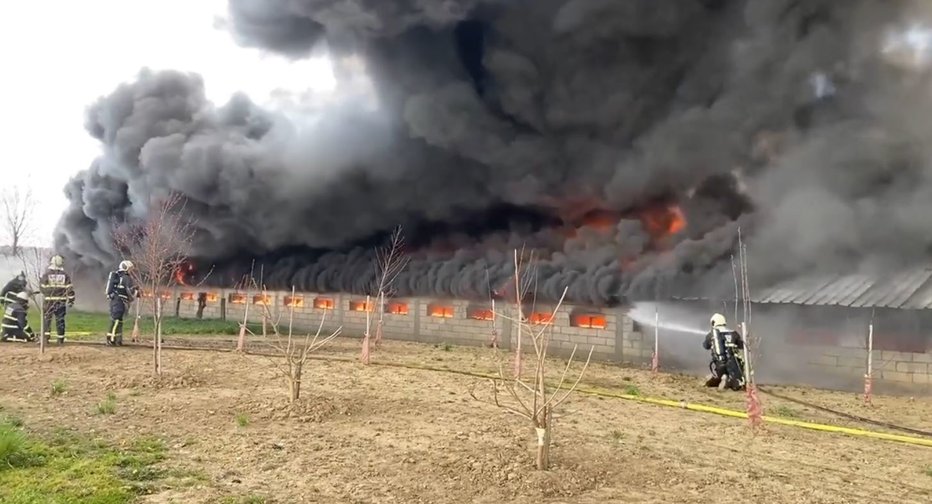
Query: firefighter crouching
pixel 121 291
pixel 15 326
pixel 57 293
pixel 725 345
pixel 12 288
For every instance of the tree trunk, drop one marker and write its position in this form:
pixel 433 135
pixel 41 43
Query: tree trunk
pixel 241 343
pixel 295 381
pixel 364 357
pixel 135 335
pixel 158 351
pixel 42 309
pixel 156 343
pixel 543 448
pixel 378 327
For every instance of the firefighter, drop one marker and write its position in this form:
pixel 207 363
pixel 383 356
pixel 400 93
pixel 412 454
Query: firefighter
pixel 121 291
pixel 13 287
pixel 15 326
pixel 724 344
pixel 57 293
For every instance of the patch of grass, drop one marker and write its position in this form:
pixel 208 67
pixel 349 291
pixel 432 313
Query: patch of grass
pixel 58 388
pixel 107 407
pixel 242 419
pixel 92 326
pixel 70 469
pixel 617 435
pixel 12 446
pixel 927 471
pixel 446 347
pixel 632 390
pixel 784 411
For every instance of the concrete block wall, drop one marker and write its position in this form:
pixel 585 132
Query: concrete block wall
pixel 609 332
pixel 900 370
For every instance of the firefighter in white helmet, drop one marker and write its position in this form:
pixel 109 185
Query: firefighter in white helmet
pixel 15 327
pixel 725 345
pixel 57 294
pixel 121 291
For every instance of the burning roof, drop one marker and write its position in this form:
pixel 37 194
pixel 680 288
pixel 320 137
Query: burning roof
pixel 625 141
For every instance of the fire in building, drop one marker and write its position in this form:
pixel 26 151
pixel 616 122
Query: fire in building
pixel 627 143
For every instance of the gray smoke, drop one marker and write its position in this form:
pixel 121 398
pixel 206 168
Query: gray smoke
pixel 498 119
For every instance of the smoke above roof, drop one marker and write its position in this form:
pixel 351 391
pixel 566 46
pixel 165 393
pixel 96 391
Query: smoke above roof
pixel 570 126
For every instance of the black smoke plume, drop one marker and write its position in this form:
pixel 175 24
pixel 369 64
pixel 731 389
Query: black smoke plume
pixel 503 123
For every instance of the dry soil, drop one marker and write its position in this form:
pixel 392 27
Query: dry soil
pixel 394 434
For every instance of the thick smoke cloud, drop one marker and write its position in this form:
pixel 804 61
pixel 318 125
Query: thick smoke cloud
pixel 501 123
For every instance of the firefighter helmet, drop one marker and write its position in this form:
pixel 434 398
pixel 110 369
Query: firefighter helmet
pixel 22 296
pixel 126 265
pixel 717 320
pixel 57 261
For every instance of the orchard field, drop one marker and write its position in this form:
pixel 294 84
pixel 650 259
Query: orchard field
pixel 91 424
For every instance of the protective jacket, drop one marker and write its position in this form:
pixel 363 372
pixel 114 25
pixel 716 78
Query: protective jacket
pixel 15 324
pixel 56 286
pixel 17 284
pixel 121 286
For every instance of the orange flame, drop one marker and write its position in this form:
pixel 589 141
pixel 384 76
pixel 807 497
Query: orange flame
pixel 662 221
pixel 397 308
pixel 440 311
pixel 184 270
pixel 481 314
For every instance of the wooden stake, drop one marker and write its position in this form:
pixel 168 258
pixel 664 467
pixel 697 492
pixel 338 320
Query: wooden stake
pixel 868 377
pixel 655 359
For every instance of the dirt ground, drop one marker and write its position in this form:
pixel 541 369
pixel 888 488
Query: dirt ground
pixel 393 434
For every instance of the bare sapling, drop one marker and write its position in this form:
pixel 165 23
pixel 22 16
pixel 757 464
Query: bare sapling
pixel 34 262
pixel 157 245
pixel 533 399
pixel 755 411
pixel 17 205
pixel 296 351
pixel 390 261
pixel 262 300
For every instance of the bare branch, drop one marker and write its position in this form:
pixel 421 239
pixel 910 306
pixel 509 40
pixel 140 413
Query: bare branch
pixel 157 245
pixel 17 204
pixel 531 399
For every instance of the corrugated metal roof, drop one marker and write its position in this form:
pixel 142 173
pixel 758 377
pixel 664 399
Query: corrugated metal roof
pixel 907 289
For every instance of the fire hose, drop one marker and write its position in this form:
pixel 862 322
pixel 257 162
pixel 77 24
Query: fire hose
pixel 604 392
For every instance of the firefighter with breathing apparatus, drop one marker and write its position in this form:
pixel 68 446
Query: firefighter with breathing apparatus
pixel 121 291
pixel 725 345
pixel 12 288
pixel 15 327
pixel 57 294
